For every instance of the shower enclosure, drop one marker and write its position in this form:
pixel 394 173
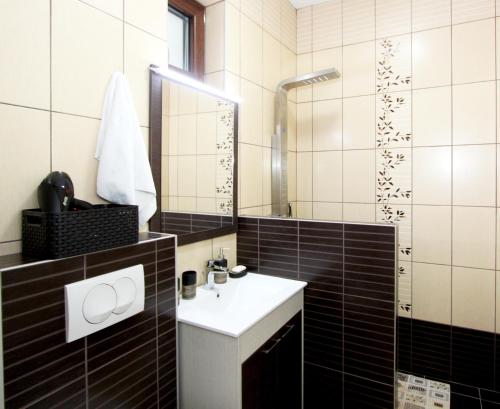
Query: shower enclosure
pixel 280 204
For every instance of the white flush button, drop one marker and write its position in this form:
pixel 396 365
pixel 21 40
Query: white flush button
pixel 126 292
pixel 99 303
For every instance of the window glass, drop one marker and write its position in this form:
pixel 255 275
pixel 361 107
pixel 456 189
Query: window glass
pixel 178 39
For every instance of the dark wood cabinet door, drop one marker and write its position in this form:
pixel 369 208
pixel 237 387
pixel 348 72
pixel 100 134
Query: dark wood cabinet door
pixel 272 376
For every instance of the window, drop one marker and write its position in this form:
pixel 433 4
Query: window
pixel 186 36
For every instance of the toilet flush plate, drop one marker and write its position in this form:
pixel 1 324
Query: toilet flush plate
pixel 101 301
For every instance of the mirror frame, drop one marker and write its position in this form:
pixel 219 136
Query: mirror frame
pixel 156 77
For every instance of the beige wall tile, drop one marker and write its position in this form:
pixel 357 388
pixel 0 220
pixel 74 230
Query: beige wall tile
pixel 87 47
pixel 251 50
pixel 267 117
pixel 473 51
pixel 393 17
pixel 194 257
pixel 359 176
pixel 151 16
pixel 113 7
pixel 432 176
pixel 292 176
pixel 206 166
pixel 431 292
pixel 214 37
pixel 266 176
pixel 232 39
pixel 187 134
pixel 252 9
pixel 10 247
pixel 251 113
pixel 141 50
pixel 292 126
pixel 251 175
pixel 327 25
pixel 327 176
pixel 304 176
pixel 186 177
pixel 271 17
pixel 24 162
pixel 331 58
pixel 359 69
pixel 73 149
pixel 304 66
pixel 432 234
pixel 466 10
pixel 359 122
pixel 188 101
pixel 288 67
pixel 272 61
pixel 25 30
pixel 474 173
pixel 327 211
pixel 289 25
pixel 327 125
pixel 474 237
pixel 427 14
pixel 304 127
pixel 473 295
pixel 304 30
pixel 173 171
pixel 304 210
pixel 432 116
pixel 186 204
pixel 474 113
pixel 206 133
pixel 205 205
pixel 431 58
pixel 358 212
pixel 358 21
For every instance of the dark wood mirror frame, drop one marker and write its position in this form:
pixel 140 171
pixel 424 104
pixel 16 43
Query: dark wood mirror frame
pixel 155 146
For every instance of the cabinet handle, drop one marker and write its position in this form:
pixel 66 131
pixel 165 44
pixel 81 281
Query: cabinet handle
pixel 290 327
pixel 276 342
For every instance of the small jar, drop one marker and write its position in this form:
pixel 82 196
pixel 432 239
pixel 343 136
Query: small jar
pixel 188 285
pixel 220 277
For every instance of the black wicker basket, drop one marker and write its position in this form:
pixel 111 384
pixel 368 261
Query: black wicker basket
pixel 57 235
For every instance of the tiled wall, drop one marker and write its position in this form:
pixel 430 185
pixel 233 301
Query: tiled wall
pixel 408 135
pixel 349 303
pixel 197 151
pixel 195 256
pixel 253 47
pixel 57 58
pixel 132 363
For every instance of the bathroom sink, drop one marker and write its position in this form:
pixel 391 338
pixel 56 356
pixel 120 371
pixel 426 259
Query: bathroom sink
pixel 242 302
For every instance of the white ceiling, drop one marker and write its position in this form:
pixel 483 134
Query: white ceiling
pixel 305 3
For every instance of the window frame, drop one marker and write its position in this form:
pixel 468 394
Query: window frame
pixel 196 14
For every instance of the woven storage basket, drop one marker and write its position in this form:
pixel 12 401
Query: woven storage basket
pixel 57 235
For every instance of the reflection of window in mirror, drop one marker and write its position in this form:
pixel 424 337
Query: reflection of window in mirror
pixel 186 37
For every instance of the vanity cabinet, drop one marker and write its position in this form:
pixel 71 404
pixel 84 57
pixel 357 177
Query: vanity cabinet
pixel 243 349
pixel 272 375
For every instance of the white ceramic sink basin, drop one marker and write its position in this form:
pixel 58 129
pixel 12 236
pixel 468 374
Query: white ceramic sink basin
pixel 242 302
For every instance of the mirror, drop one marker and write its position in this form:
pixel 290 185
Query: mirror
pixel 193 151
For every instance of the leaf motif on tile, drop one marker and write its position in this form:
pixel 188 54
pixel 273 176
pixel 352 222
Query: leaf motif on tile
pixel 386 77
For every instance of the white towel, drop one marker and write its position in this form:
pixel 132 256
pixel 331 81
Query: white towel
pixel 124 175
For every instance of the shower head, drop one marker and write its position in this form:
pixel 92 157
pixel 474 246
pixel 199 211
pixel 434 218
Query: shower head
pixel 308 79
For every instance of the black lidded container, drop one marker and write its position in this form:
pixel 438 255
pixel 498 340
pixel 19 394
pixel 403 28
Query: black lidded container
pixel 189 284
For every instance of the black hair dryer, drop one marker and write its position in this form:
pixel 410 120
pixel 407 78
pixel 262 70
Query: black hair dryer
pixel 56 194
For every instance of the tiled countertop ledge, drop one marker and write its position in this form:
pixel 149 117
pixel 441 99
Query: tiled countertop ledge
pixel 18 260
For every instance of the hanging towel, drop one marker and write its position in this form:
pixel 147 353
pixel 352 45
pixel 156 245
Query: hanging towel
pixel 124 175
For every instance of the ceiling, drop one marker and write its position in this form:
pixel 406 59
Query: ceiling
pixel 305 3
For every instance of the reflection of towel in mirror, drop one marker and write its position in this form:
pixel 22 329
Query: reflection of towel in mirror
pixel 124 175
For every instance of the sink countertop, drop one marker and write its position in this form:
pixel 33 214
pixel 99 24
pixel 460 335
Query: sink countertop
pixel 242 303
